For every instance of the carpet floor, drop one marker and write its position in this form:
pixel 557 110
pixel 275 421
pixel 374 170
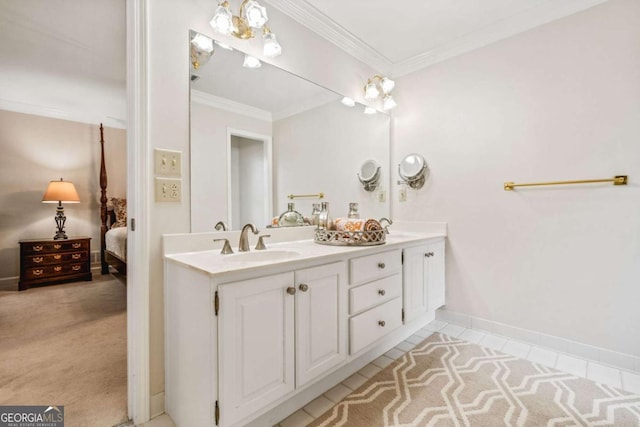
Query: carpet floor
pixel 67 345
pixel 445 381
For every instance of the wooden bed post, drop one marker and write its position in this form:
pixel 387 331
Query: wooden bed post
pixel 103 204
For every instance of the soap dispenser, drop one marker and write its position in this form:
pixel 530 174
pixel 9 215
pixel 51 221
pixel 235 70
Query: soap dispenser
pixel 291 218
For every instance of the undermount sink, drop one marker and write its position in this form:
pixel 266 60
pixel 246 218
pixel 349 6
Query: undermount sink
pixel 261 256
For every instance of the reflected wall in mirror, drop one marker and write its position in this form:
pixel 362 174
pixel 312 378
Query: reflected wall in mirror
pixel 261 134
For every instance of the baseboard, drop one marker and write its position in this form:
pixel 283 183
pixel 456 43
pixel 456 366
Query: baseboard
pixel 157 404
pixel 9 283
pixel 585 351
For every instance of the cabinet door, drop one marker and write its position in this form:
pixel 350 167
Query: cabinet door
pixel 256 346
pixel 321 320
pixel 414 280
pixel 435 275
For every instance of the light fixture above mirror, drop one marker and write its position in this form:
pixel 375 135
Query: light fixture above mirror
pixel 380 87
pixel 252 16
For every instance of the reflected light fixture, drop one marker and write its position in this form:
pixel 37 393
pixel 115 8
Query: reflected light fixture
pixel 251 62
pixel 223 45
pixel 369 110
pixel 251 19
pixel 378 86
pixel 348 101
pixel 201 50
pixel 58 192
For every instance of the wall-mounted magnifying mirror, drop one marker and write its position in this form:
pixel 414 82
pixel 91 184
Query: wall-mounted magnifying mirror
pixel 369 175
pixel 413 171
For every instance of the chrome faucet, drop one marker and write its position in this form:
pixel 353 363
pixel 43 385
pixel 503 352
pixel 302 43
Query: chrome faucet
pixel 220 226
pixel 243 246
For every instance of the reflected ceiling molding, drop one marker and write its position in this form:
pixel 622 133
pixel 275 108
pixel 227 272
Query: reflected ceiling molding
pixel 229 105
pixel 310 104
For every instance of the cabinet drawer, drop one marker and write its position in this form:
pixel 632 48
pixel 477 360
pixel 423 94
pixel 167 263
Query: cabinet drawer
pixel 38 248
pixel 48 271
pixel 372 325
pixel 56 258
pixel 374 293
pixel 375 266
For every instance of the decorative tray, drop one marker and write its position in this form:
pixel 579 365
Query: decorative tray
pixel 349 238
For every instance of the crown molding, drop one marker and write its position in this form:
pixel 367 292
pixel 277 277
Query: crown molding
pixel 229 105
pixel 545 13
pixel 330 30
pixel 55 113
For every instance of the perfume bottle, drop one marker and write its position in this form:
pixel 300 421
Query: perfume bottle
pixel 353 210
pixel 324 218
pixel 315 211
pixel 291 218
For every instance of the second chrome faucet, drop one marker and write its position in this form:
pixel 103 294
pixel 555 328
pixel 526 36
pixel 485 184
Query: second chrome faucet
pixel 243 246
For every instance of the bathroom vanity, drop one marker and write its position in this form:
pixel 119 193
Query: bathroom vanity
pixel 248 332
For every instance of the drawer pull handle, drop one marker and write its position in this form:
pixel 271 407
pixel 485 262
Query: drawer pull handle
pixel 76 256
pixel 57 268
pixel 428 254
pixel 38 272
pixel 57 257
pixel 303 287
pixel 37 248
pixel 76 245
pixel 291 290
pixel 382 323
pixel 382 292
pixel 38 259
pixel 76 267
pixel 57 246
pixel 381 265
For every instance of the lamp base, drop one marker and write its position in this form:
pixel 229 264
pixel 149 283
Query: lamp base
pixel 60 235
pixel 60 220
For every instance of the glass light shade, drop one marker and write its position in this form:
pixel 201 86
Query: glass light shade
pixel 369 110
pixel 255 15
pixel 371 91
pixel 348 101
pixel 223 45
pixel 61 191
pixel 271 48
pixel 222 21
pixel 251 62
pixel 202 43
pixel 388 103
pixel 387 84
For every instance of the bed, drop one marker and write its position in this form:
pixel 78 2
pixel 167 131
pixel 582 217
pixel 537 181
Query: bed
pixel 113 223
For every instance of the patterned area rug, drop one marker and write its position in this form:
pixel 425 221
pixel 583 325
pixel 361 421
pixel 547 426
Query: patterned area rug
pixel 445 381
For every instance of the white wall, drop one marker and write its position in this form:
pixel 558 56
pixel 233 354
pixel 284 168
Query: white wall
pixel 321 150
pixel 558 102
pixel 37 150
pixel 167 99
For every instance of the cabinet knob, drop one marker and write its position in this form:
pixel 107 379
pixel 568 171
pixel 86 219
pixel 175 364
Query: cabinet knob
pixel 76 245
pixel 76 267
pixel 428 254
pixel 381 265
pixel 57 268
pixel 58 246
pixel 57 257
pixel 38 272
pixel 76 256
pixel 37 248
pixel 38 259
pixel 303 287
pixel 381 292
pixel 291 290
pixel 382 323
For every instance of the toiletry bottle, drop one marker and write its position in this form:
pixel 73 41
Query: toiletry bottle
pixel 324 219
pixel 291 218
pixel 314 213
pixel 353 210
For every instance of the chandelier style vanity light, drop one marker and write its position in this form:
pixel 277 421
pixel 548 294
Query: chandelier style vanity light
pixel 378 86
pixel 252 18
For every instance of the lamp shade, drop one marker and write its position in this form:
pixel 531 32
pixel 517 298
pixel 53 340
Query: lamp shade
pixel 61 191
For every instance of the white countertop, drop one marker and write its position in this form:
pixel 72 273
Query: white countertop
pixel 214 263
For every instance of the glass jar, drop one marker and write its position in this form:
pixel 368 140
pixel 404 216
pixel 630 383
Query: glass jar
pixel 353 210
pixel 291 218
pixel 324 218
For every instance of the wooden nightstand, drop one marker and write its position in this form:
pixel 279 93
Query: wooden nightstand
pixel 47 261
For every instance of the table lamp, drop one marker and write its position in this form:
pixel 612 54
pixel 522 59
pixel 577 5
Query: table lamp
pixel 58 192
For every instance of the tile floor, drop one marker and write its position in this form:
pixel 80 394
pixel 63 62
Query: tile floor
pixel 625 380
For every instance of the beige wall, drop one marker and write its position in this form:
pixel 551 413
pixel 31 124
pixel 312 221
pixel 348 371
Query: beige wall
pixel 37 150
pixel 558 102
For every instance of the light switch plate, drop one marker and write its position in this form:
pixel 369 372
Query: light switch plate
pixel 168 162
pixel 168 190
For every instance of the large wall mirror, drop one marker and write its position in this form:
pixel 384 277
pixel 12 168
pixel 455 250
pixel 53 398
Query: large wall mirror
pixel 259 135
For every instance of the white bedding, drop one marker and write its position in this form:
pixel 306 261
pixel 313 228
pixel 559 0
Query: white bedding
pixel 116 242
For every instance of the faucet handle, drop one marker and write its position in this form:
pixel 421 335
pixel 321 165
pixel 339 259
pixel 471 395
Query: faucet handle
pixel 260 245
pixel 226 248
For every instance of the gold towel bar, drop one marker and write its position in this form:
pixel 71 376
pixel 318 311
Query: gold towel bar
pixel 306 196
pixel 617 180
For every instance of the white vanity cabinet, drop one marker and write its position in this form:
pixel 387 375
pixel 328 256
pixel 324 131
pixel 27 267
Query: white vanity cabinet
pixel 423 278
pixel 276 333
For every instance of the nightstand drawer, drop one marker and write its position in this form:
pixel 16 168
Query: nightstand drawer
pixel 49 271
pixel 46 259
pixel 38 248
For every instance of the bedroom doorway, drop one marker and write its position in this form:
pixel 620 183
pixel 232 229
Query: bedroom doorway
pixel 249 178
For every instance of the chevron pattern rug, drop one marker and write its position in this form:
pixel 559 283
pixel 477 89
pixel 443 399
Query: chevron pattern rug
pixel 445 381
